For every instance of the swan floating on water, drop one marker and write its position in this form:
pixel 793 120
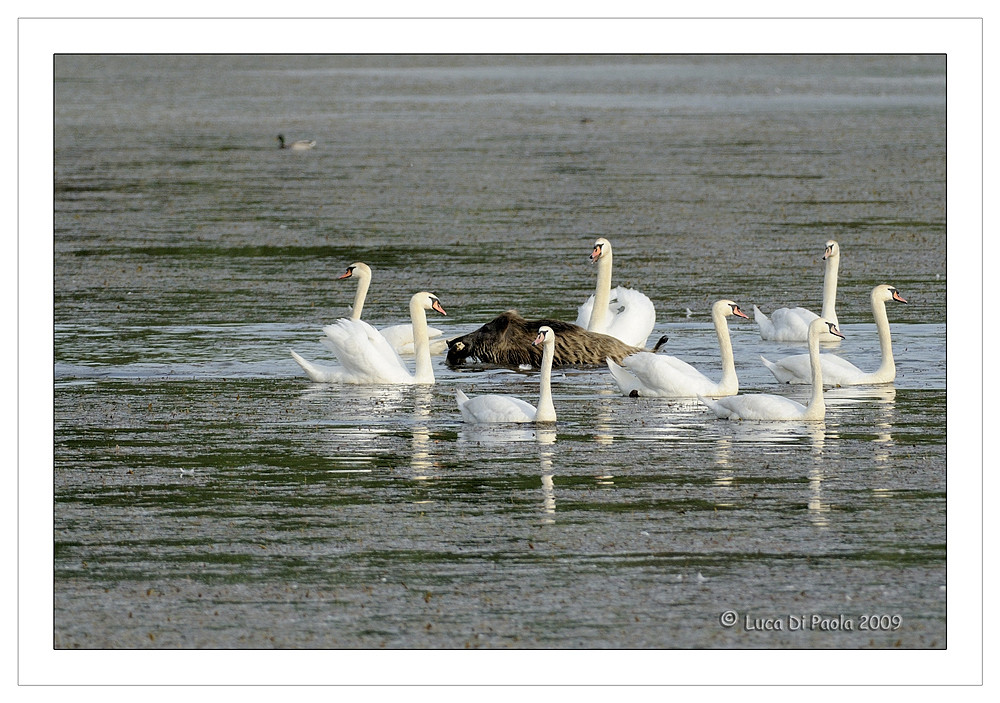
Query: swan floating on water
pixel 792 324
pixel 367 358
pixel 650 375
pixel 630 317
pixel 775 407
pixel 837 371
pixel 488 409
pixel 400 337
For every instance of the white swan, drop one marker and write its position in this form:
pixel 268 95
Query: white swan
pixel 792 324
pixel 400 337
pixel 365 356
pixel 485 409
pixel 775 407
pixel 837 371
pixel 647 374
pixel 630 318
pixel 299 145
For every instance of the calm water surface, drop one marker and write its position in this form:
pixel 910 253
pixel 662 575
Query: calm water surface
pixel 207 494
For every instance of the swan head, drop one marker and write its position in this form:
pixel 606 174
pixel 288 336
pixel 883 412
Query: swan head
pixel 886 293
pixel 545 336
pixel 427 301
pixel 356 269
pixel 832 250
pixel 602 248
pixel 820 326
pixel 729 308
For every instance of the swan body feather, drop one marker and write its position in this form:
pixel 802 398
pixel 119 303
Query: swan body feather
pixel 489 409
pixel 838 371
pixel 651 375
pixel 367 358
pixel 767 407
pixel 792 324
pixel 624 313
pixel 400 337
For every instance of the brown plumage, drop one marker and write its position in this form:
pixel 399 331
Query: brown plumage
pixel 507 341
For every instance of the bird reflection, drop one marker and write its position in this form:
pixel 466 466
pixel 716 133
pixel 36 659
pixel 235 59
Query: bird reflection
pixel 546 440
pixel 883 442
pixel 818 510
pixel 420 454
pixel 602 430
pixel 723 455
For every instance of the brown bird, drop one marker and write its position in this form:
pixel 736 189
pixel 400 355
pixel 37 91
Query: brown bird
pixel 507 341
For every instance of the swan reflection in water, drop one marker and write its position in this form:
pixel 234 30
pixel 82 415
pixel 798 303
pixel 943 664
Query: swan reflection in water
pixel 603 434
pixel 818 510
pixel 545 437
pixel 546 440
pixel 723 458
pixel 774 435
pixel 420 452
pixel 330 404
pixel 883 400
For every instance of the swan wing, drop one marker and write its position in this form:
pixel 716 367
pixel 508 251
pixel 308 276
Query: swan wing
pixel 632 316
pixel 666 376
pixel 400 338
pixel 837 371
pixel 365 354
pixel 583 312
pixel 788 325
pixel 756 407
pixel 485 409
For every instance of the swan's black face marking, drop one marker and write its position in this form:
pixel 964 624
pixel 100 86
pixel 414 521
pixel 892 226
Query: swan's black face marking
pixel 542 334
pixel 596 254
pixel 347 274
pixel 897 297
pixel 834 331
pixel 436 305
pixel 737 311
pixel 828 252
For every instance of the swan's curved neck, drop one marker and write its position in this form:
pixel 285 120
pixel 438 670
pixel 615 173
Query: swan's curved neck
pixel 364 280
pixel 546 410
pixel 725 349
pixel 817 406
pixel 423 369
pixel 602 296
pixel 887 369
pixel 830 289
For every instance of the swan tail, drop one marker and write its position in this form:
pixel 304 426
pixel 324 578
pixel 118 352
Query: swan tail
pixel 461 398
pixel 319 374
pixel 627 382
pixel 781 372
pixel 766 326
pixel 771 366
pixel 714 406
